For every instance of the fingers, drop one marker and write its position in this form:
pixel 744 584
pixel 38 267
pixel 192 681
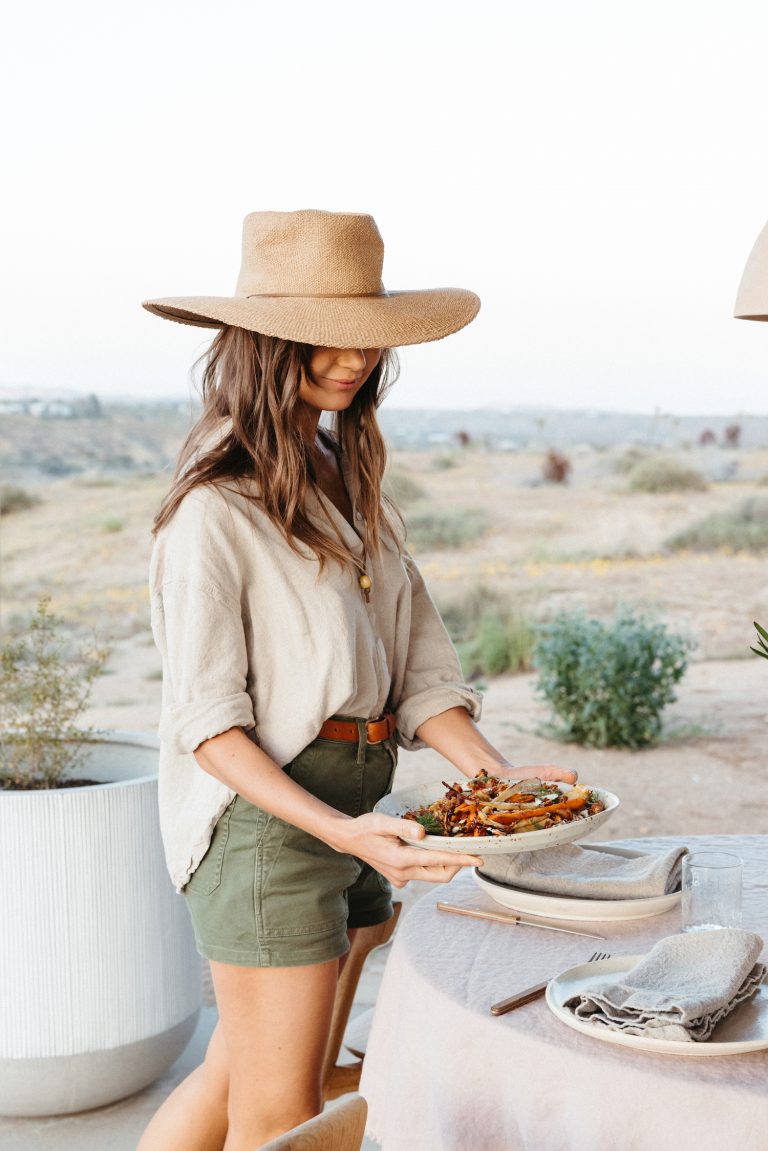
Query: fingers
pixel 409 829
pixel 439 859
pixel 551 771
pixel 427 873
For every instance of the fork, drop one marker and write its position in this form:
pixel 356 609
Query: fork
pixel 535 992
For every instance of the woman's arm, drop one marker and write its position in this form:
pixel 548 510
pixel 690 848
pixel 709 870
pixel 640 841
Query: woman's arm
pixel 455 735
pixel 235 759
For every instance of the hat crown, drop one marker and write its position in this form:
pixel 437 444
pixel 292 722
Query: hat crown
pixel 310 253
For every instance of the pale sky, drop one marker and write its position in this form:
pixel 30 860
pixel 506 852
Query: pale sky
pixel 597 171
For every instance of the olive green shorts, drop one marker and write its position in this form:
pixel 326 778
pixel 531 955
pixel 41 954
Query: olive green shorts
pixel 267 894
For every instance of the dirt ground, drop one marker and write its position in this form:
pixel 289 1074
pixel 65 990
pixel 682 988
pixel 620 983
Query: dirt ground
pixel 591 544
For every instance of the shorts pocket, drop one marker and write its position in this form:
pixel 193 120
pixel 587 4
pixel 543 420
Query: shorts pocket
pixel 207 875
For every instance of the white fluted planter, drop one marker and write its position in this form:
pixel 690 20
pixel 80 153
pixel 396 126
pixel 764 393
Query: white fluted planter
pixel 100 982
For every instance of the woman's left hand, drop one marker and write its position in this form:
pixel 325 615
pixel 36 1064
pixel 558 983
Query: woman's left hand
pixel 535 771
pixel 454 735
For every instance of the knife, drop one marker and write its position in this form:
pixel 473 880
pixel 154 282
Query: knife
pixel 499 917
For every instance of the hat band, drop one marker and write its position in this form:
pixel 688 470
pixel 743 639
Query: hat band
pixel 317 295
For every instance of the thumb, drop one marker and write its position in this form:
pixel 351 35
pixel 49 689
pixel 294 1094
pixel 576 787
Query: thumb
pixel 410 829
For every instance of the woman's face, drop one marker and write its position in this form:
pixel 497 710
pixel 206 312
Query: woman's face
pixel 336 375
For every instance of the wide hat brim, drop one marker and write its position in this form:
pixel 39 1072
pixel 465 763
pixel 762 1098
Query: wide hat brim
pixel 386 320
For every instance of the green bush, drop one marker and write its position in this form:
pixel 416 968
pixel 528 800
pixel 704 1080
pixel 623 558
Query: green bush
pixel 608 683
pixel 491 638
pixel 44 691
pixel 13 499
pixel 445 529
pixel 503 644
pixel 743 529
pixel 660 474
pixel 401 487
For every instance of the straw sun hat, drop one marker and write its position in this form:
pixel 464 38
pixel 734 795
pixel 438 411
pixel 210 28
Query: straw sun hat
pixel 315 277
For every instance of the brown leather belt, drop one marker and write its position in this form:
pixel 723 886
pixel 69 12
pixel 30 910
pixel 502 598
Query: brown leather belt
pixel 378 729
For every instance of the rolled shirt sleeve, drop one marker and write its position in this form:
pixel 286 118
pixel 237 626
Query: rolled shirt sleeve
pixel 206 665
pixel 432 682
pixel 196 582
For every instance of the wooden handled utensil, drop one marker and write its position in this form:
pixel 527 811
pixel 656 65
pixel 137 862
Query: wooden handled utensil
pixel 534 992
pixel 500 917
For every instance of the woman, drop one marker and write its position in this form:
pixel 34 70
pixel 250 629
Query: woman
pixel 298 643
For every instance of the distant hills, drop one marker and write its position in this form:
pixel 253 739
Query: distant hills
pixel 56 434
pixel 525 428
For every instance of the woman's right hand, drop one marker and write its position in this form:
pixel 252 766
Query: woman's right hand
pixel 374 838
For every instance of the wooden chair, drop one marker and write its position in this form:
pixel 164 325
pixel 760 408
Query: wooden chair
pixel 338 1078
pixel 340 1128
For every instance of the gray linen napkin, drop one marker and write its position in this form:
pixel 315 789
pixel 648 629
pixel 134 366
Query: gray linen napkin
pixel 681 989
pixel 586 873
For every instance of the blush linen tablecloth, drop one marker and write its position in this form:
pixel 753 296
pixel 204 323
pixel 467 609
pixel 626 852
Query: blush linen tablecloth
pixel 442 1074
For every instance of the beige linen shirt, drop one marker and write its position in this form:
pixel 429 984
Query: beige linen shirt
pixel 253 635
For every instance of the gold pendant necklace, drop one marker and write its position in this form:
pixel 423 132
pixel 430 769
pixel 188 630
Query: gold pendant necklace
pixel 366 583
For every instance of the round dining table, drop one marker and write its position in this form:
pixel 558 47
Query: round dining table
pixel 443 1074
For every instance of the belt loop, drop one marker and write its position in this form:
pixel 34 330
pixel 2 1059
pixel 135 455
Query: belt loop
pixel 362 740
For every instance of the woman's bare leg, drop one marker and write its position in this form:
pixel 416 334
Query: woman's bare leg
pixel 275 1023
pixel 194 1116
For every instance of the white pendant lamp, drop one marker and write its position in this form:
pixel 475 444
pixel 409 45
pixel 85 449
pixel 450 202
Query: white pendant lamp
pixel 752 296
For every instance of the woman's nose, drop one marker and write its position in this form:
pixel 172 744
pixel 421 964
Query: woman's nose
pixel 353 358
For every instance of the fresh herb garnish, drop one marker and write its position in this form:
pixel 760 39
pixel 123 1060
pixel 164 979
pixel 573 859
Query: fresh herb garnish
pixel 430 823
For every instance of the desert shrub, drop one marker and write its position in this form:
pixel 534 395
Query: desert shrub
pixel 491 637
pixel 661 474
pixel 629 459
pixel 13 499
pixel 113 524
pixel 444 462
pixel 445 529
pixel 732 436
pixel 503 644
pixel 556 467
pixel 403 488
pixel 706 438
pixel 743 528
pixel 608 683
pixel 462 613
pixel 44 691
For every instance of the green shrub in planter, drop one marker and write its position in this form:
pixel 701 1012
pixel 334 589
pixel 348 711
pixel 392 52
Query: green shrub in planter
pixel 608 683
pixel 44 690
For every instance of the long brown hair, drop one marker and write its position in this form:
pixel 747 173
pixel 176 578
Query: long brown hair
pixel 250 428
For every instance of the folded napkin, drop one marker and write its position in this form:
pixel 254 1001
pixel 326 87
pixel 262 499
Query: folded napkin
pixel 585 873
pixel 681 989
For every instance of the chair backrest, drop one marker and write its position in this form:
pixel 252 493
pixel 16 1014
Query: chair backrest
pixel 339 1128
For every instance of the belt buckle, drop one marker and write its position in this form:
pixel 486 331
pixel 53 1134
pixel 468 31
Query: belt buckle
pixel 386 721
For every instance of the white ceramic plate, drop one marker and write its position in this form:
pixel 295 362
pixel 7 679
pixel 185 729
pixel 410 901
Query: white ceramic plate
pixel 745 1029
pixel 398 802
pixel 573 908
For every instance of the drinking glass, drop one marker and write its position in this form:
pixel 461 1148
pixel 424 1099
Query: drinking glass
pixel 711 890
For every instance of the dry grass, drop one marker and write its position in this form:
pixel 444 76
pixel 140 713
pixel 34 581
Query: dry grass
pixel 545 548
